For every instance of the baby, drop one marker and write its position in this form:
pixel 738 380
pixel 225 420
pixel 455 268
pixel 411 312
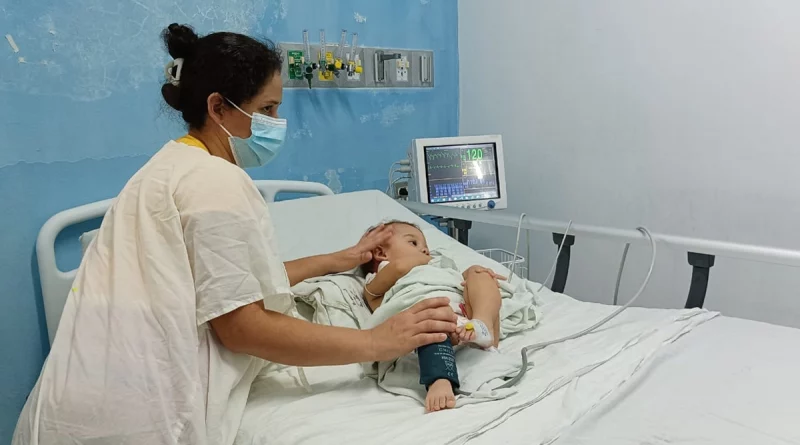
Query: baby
pixel 478 307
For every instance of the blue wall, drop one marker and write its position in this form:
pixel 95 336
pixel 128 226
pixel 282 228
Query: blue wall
pixel 80 112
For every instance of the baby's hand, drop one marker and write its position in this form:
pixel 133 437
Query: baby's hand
pixel 479 270
pixel 463 335
pixel 455 337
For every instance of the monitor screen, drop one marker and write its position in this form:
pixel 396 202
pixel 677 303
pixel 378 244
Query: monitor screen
pixel 462 172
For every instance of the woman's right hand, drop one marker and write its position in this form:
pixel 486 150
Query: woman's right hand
pixel 429 321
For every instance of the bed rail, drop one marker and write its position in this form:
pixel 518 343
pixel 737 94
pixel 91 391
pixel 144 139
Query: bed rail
pixel 701 253
pixel 56 283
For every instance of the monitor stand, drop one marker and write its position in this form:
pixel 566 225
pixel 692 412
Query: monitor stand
pixel 457 229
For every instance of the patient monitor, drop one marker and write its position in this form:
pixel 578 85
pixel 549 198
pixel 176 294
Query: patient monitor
pixel 465 172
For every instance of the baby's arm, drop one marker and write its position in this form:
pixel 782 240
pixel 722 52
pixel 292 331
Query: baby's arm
pixel 383 281
pixel 388 276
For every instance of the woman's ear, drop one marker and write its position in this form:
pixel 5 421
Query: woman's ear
pixel 216 107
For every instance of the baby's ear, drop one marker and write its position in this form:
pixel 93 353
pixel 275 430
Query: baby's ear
pixel 379 254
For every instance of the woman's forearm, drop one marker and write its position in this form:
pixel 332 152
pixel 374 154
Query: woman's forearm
pixel 337 262
pixel 319 265
pixel 282 339
pixel 309 267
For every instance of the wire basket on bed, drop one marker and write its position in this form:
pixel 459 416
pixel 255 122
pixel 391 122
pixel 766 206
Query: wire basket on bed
pixel 508 260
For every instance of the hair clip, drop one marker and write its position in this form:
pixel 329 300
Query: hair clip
pixel 174 79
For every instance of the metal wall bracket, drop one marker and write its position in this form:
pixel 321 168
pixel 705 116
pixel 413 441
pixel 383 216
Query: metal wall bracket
pixel 701 267
pixel 562 263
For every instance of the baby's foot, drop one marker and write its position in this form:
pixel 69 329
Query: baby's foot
pixel 440 396
pixel 477 332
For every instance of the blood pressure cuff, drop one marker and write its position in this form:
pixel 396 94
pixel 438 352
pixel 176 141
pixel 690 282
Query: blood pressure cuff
pixel 437 361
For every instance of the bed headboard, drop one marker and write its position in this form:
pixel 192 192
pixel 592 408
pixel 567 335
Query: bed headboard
pixel 56 283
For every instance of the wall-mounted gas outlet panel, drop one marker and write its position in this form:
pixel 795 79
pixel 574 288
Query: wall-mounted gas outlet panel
pixel 371 68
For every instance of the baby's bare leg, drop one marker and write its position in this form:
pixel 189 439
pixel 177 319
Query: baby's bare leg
pixel 482 299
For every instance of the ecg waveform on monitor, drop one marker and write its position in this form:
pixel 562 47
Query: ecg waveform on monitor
pixel 461 173
pixel 443 155
pixel 444 166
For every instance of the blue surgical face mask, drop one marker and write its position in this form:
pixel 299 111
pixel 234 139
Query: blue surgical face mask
pixel 264 143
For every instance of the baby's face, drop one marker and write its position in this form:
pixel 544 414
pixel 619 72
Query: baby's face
pixel 406 240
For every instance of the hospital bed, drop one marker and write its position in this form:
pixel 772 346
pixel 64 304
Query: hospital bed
pixel 649 376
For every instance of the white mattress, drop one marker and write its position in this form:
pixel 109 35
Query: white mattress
pixel 628 383
pixel 730 382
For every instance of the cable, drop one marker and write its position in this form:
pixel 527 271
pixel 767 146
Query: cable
pixel 532 348
pixel 619 274
pixel 528 236
pixel 404 168
pixel 535 347
pixel 516 246
pixel 391 170
pixel 528 253
pixel 558 254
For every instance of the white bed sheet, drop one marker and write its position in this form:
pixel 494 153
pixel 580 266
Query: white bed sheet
pixel 568 381
pixel 731 382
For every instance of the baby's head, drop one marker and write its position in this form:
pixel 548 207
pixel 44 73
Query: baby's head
pixel 406 239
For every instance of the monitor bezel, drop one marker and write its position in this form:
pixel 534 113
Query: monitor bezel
pixel 425 149
pixel 420 174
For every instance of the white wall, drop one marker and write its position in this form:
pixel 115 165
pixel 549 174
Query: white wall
pixel 680 115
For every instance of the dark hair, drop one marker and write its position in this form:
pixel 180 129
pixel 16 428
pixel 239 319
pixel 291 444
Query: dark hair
pixel 233 65
pixel 372 266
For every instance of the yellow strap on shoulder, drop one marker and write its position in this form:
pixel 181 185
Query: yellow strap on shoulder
pixel 193 141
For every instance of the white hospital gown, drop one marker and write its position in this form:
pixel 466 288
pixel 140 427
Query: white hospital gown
pixel 134 360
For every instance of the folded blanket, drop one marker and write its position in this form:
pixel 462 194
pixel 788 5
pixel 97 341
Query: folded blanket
pixel 333 300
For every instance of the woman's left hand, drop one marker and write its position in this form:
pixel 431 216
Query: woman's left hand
pixel 361 253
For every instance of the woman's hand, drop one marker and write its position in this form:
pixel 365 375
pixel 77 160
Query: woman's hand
pixel 338 262
pixel 429 321
pixel 361 253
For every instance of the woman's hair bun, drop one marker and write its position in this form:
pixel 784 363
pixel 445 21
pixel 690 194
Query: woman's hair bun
pixel 172 95
pixel 180 40
pixel 233 65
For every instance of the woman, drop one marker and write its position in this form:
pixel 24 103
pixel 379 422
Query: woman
pixel 181 297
